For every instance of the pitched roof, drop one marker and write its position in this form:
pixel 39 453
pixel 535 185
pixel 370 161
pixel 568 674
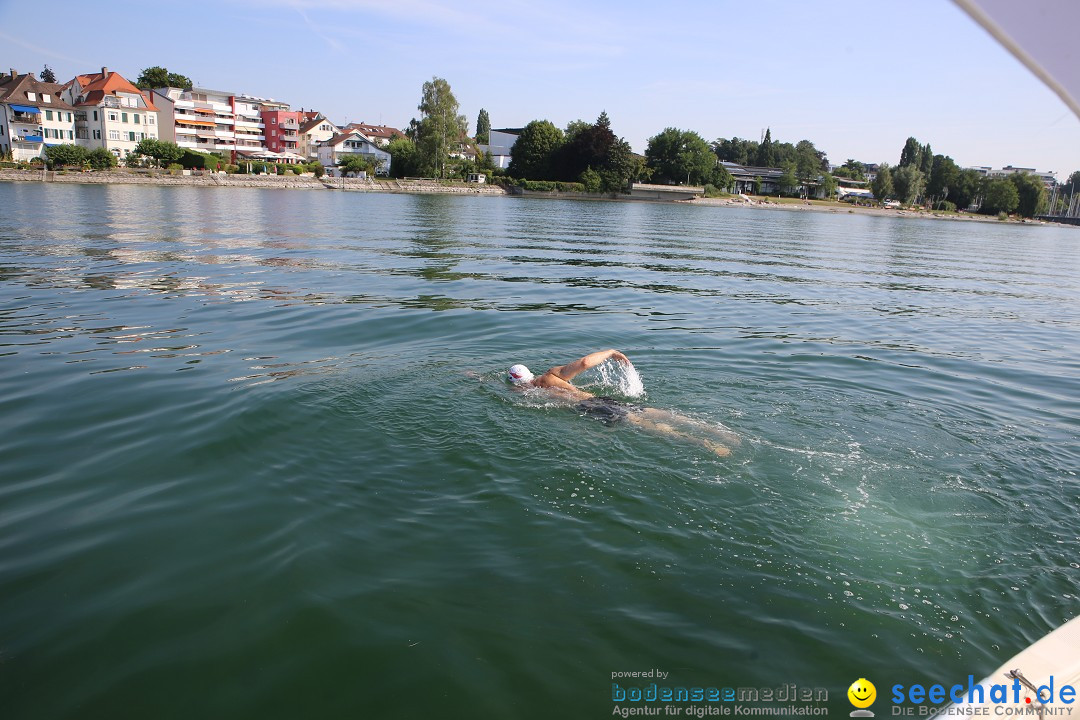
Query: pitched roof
pixel 377 131
pixel 342 137
pixel 315 122
pixel 96 86
pixel 15 89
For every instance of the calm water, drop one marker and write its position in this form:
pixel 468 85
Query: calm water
pixel 245 469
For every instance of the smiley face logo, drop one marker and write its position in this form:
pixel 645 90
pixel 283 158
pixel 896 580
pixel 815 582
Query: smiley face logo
pixel 862 693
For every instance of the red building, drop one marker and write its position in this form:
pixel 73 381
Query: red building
pixel 282 130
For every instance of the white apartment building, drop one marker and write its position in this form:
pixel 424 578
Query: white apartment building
pixel 110 112
pixel 33 116
pixel 198 119
pixel 249 127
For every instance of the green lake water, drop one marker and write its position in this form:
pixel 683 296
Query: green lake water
pixel 257 459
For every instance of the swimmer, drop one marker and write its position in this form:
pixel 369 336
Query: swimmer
pixel 556 382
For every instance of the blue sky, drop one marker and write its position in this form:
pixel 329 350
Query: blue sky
pixel 855 78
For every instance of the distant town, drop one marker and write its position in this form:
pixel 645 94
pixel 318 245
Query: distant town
pixel 100 120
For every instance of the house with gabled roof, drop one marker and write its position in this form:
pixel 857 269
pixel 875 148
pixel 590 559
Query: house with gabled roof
pixel 348 143
pixel 110 112
pixel 313 132
pixel 33 115
pixel 381 135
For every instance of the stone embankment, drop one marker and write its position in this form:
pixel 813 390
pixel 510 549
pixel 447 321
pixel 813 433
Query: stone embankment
pixel 291 182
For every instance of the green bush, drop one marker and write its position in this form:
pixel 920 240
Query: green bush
pixel 711 191
pixel 66 154
pixel 175 169
pixel 299 169
pixel 192 160
pixel 318 170
pixel 1003 216
pixel 945 205
pixel 231 169
pixel 101 159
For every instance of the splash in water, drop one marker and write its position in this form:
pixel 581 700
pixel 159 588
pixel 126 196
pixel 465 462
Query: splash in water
pixel 624 379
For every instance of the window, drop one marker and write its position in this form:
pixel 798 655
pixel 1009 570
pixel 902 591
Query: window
pixel 46 98
pixel 1 130
pixel 112 117
pixel 149 119
pixel 131 136
pixel 272 120
pixel 123 117
pixel 69 117
pixel 95 116
pixel 48 114
pixel 97 134
pixel 114 134
pixel 31 96
pixel 71 134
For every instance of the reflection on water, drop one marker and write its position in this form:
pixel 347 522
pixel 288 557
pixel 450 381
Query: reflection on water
pixel 263 435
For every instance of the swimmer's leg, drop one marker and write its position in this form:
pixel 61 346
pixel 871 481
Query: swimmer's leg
pixel 671 418
pixel 663 428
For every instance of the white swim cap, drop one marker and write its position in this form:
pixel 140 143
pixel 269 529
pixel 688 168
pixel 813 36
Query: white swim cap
pixel 519 374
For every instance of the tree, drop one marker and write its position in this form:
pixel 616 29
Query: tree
pixel 965 188
pixel 883 184
pixel 590 147
pixel 736 150
pixel 944 174
pixel 402 157
pixel 680 156
pixel 809 162
pixel 162 151
pixel 483 127
pixel 765 155
pixel 574 127
pixel 908 182
pixel 828 186
pixel 1031 194
pixel 440 127
pixel 926 160
pixel 534 152
pixel 65 155
pixel 911 154
pixel 47 75
pixel 789 181
pixel 1001 197
pixel 1073 183
pixel 355 163
pixel 158 77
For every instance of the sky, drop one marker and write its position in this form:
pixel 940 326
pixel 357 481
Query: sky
pixel 855 78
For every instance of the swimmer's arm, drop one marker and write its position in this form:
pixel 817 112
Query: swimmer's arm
pixel 570 370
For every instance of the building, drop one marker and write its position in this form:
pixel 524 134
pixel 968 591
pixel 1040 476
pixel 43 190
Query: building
pixel 748 177
pixel 352 142
pixel 248 124
pixel 282 127
pixel 313 132
pixel 110 112
pixel 33 115
pixel 197 119
pixel 381 135
pixel 500 143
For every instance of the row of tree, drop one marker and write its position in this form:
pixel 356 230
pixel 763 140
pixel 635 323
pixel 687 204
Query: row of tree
pixel 923 177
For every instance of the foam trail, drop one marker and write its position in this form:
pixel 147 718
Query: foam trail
pixel 623 378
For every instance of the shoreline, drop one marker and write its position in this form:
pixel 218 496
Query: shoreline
pixel 279 182
pixel 429 187
pixel 863 210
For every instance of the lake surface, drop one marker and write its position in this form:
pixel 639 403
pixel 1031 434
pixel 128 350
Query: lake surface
pixel 258 459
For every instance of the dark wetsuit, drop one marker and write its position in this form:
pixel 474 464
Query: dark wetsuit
pixel 606 409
